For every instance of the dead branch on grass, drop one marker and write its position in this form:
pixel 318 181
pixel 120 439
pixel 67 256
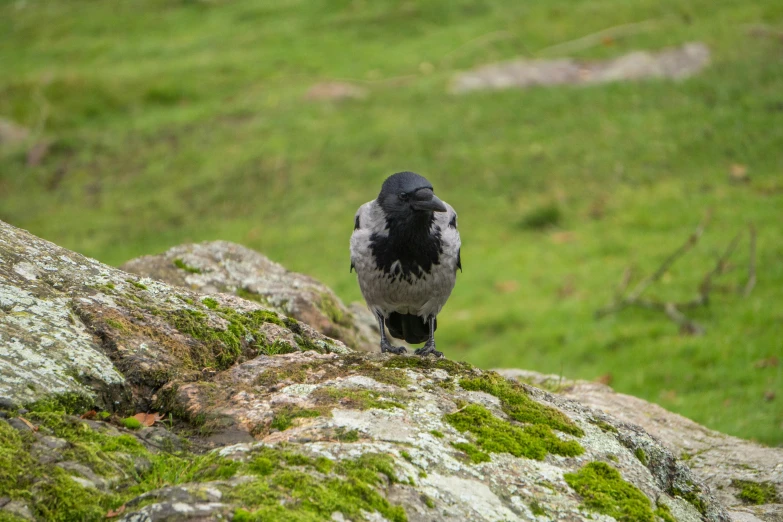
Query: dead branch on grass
pixel 674 310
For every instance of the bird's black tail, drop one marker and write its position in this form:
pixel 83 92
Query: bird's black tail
pixel 412 328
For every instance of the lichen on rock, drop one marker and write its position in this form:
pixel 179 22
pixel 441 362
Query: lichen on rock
pixel 261 417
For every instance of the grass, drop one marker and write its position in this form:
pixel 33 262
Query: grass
pixel 177 121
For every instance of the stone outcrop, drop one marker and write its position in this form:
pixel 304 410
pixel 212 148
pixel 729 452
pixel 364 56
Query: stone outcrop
pixel 674 63
pixel 727 464
pixel 253 415
pixel 220 266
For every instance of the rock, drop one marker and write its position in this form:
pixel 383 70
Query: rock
pixel 335 91
pixel 719 460
pixel 90 333
pixel 17 508
pixel 220 266
pixel 268 419
pixel 673 63
pixel 12 134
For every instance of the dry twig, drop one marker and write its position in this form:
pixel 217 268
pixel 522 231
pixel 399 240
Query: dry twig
pixel 674 310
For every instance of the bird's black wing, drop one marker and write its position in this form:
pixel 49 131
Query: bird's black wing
pixel 459 259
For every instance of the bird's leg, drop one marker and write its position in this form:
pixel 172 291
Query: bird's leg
pixel 429 346
pixel 386 346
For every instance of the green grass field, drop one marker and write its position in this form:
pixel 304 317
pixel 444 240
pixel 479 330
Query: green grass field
pixel 176 121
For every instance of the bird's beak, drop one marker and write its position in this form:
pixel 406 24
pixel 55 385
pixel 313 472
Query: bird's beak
pixel 426 200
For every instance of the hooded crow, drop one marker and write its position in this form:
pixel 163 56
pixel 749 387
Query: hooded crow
pixel 406 251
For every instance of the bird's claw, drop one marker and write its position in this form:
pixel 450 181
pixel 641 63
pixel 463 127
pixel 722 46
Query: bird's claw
pixel 387 347
pixel 428 349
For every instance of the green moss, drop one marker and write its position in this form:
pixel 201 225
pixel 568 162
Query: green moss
pixel 222 347
pixel 244 293
pixel 605 426
pixel 662 511
pixel 284 417
pixel 15 462
pixel 474 454
pixel 427 363
pixel 331 309
pixel 70 402
pixel 603 490
pixel 755 492
pixel 428 501
pixel 66 500
pixel 437 434
pixel 495 435
pixel 138 285
pixel 287 490
pixel 536 508
pixel 641 455
pixel 131 423
pixel 407 456
pixel 344 435
pixel 692 497
pixel 117 325
pixel 179 263
pixel 209 303
pixel 103 415
pixel 517 405
pixel 356 363
pixel 354 399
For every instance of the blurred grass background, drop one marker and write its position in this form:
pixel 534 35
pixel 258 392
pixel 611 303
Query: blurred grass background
pixel 171 121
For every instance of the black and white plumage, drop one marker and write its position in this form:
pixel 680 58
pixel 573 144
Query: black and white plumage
pixel 405 248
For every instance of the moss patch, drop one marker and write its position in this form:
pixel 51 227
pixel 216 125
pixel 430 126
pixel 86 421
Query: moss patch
pixel 603 490
pixel 474 454
pixel 605 426
pixel 283 485
pixel 284 417
pixel 517 405
pixel 296 488
pixel 71 403
pixel 641 455
pixel 428 363
pixel 662 511
pixel 131 423
pixel 495 435
pixel 755 492
pixel 692 497
pixel 436 433
pixel 179 263
pixel 138 285
pixel 355 399
pixel 225 346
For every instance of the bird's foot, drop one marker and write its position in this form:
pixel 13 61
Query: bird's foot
pixel 428 349
pixel 387 347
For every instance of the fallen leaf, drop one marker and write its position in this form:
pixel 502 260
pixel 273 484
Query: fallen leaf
pixel 148 419
pixel 28 423
pixel 738 172
pixel 606 378
pixel 567 289
pixel 116 512
pixel 607 41
pixel 668 395
pixel 769 395
pixel 505 287
pixel 562 237
pixel 769 362
pixel 88 414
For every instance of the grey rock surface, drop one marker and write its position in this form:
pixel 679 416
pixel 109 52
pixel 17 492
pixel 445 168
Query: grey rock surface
pixel 719 460
pixel 263 416
pixel 69 324
pixel 673 63
pixel 221 266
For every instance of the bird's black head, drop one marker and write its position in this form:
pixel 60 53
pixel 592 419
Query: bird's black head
pixel 406 194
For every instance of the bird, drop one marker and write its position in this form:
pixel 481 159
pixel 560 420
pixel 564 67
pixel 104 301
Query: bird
pixel 405 248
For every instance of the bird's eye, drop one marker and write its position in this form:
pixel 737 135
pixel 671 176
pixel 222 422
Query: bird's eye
pixel 404 196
